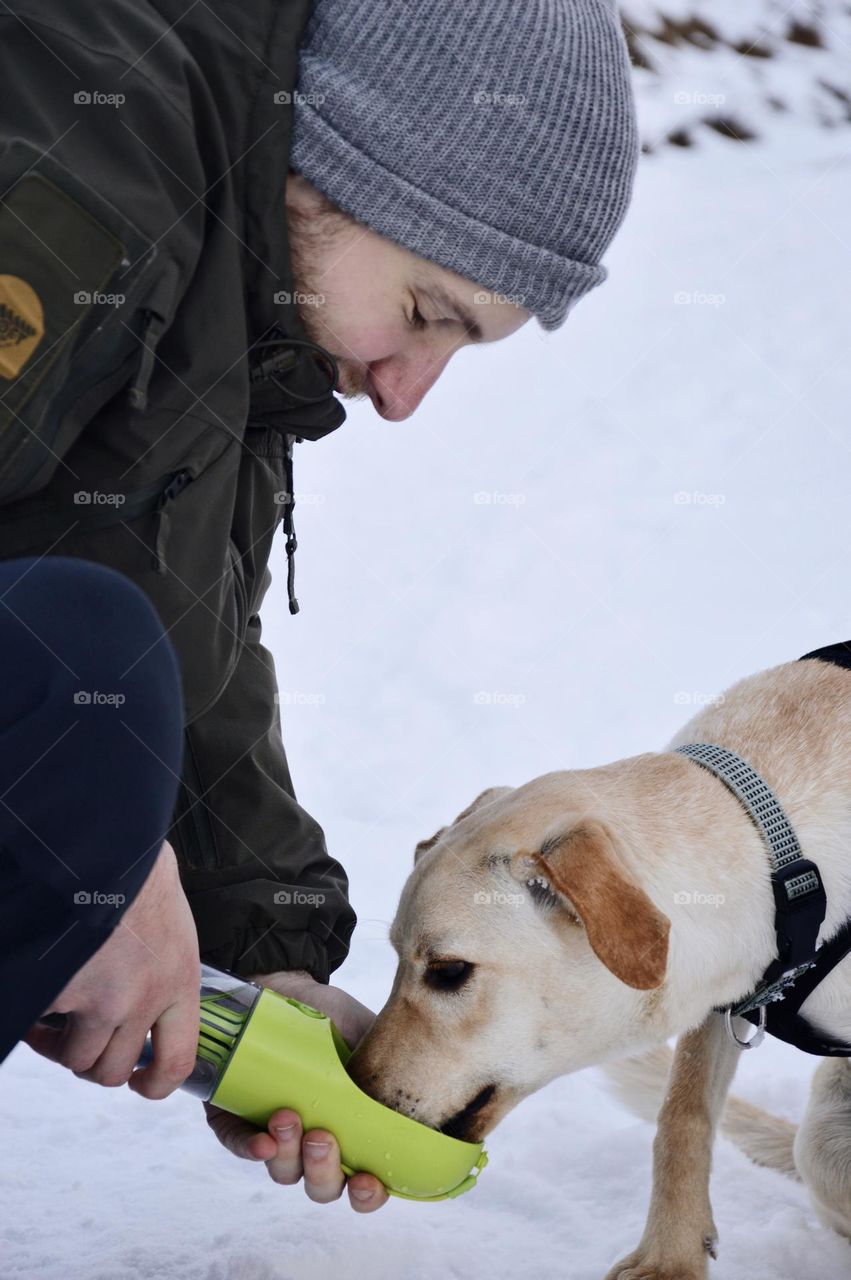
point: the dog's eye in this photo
(541, 891)
(447, 975)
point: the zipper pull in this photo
(155, 317)
(152, 328)
(175, 486)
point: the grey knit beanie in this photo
(494, 137)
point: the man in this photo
(215, 215)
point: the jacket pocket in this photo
(75, 274)
(170, 538)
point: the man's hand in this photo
(287, 1152)
(144, 978)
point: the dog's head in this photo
(527, 949)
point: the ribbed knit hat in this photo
(494, 137)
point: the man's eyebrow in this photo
(444, 301)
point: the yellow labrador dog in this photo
(593, 914)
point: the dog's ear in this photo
(626, 931)
(486, 797)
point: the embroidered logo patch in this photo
(21, 324)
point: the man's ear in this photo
(486, 797)
(626, 931)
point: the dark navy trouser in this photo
(91, 727)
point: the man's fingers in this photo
(44, 1041)
(76, 1046)
(175, 1041)
(115, 1065)
(239, 1137)
(285, 1166)
(323, 1178)
(366, 1193)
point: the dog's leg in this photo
(680, 1233)
(823, 1144)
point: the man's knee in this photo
(94, 626)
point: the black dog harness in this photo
(800, 904)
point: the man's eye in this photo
(447, 975)
(417, 320)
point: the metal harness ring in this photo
(758, 1036)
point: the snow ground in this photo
(596, 611)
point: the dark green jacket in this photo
(143, 259)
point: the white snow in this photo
(595, 611)
(760, 65)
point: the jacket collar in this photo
(247, 51)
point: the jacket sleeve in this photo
(265, 893)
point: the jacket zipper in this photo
(168, 494)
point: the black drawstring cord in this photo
(289, 527)
(282, 358)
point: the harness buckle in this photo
(800, 904)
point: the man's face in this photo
(392, 319)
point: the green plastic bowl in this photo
(290, 1055)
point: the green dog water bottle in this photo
(259, 1052)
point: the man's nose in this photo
(397, 387)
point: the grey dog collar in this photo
(798, 892)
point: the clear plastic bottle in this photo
(227, 1003)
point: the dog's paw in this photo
(644, 1264)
